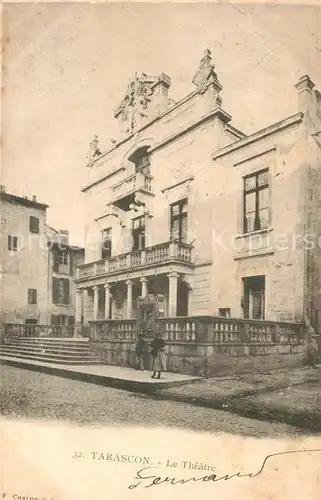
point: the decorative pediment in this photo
(143, 99)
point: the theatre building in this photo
(185, 205)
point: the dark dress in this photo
(158, 353)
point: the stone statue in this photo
(94, 150)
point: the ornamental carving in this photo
(206, 74)
(135, 106)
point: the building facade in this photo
(63, 262)
(185, 205)
(37, 265)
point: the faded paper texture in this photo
(224, 102)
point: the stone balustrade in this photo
(12, 330)
(204, 329)
(136, 182)
(155, 254)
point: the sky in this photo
(66, 67)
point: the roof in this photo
(26, 202)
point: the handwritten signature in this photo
(154, 480)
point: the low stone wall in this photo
(208, 360)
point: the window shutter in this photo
(71, 320)
(9, 242)
(66, 291)
(55, 260)
(34, 224)
(70, 263)
(54, 290)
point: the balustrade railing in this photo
(113, 330)
(137, 181)
(150, 255)
(12, 330)
(204, 329)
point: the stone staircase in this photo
(67, 351)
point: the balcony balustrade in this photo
(136, 182)
(157, 254)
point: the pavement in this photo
(290, 396)
(112, 376)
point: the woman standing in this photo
(158, 353)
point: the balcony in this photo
(154, 255)
(123, 193)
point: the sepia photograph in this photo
(160, 246)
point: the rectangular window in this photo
(225, 312)
(138, 233)
(179, 221)
(61, 291)
(61, 261)
(12, 243)
(63, 258)
(254, 297)
(32, 296)
(34, 224)
(106, 243)
(31, 321)
(256, 204)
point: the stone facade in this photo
(183, 168)
(28, 248)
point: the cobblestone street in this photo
(28, 394)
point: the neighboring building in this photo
(24, 260)
(63, 261)
(185, 205)
(31, 287)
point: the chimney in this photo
(161, 92)
(2, 188)
(63, 236)
(34, 197)
(305, 88)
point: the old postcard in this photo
(160, 272)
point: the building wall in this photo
(277, 252)
(208, 360)
(183, 167)
(25, 268)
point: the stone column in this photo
(107, 300)
(172, 294)
(96, 302)
(78, 305)
(129, 284)
(144, 286)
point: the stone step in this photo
(49, 345)
(71, 340)
(39, 349)
(53, 359)
(45, 355)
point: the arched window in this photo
(141, 159)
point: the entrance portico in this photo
(118, 299)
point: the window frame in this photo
(32, 296)
(106, 253)
(139, 244)
(34, 220)
(12, 243)
(181, 216)
(256, 190)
